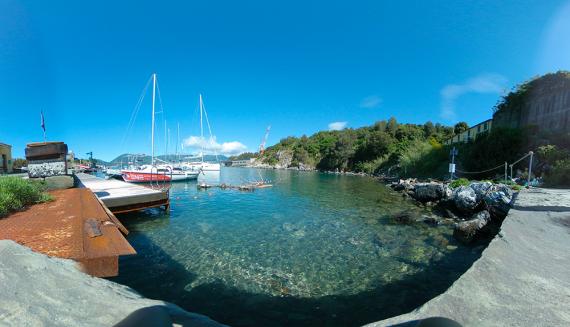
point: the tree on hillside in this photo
(460, 127)
(429, 129)
(392, 126)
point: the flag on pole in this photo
(43, 121)
(43, 124)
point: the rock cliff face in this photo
(36, 290)
(543, 102)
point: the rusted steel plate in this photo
(46, 150)
(113, 218)
(57, 229)
(92, 227)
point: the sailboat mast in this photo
(177, 141)
(153, 98)
(201, 128)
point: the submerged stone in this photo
(467, 231)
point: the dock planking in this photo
(121, 197)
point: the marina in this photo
(262, 164)
(121, 197)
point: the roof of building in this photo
(4, 144)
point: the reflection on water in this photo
(315, 249)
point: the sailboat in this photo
(201, 165)
(152, 172)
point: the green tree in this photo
(460, 127)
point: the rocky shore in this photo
(477, 209)
(521, 278)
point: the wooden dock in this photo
(121, 196)
(75, 225)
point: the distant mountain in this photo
(143, 159)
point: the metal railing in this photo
(505, 165)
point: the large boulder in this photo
(465, 199)
(467, 231)
(499, 203)
(481, 189)
(429, 192)
(506, 190)
(405, 185)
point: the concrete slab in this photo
(36, 290)
(121, 196)
(522, 277)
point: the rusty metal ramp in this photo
(76, 225)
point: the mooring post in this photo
(505, 171)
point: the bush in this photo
(16, 193)
(559, 174)
(459, 182)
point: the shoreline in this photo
(525, 266)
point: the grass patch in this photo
(17, 193)
(459, 182)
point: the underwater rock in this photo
(467, 231)
(465, 198)
(403, 218)
(431, 220)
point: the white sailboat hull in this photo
(202, 166)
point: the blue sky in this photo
(298, 66)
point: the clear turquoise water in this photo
(313, 250)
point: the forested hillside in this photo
(367, 149)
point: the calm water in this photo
(313, 250)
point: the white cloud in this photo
(370, 102)
(210, 145)
(337, 125)
(484, 83)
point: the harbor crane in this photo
(91, 162)
(264, 140)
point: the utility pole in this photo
(453, 153)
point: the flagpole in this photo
(43, 125)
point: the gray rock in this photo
(403, 218)
(429, 192)
(465, 198)
(447, 193)
(506, 190)
(499, 203)
(481, 189)
(467, 231)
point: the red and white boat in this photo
(146, 174)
